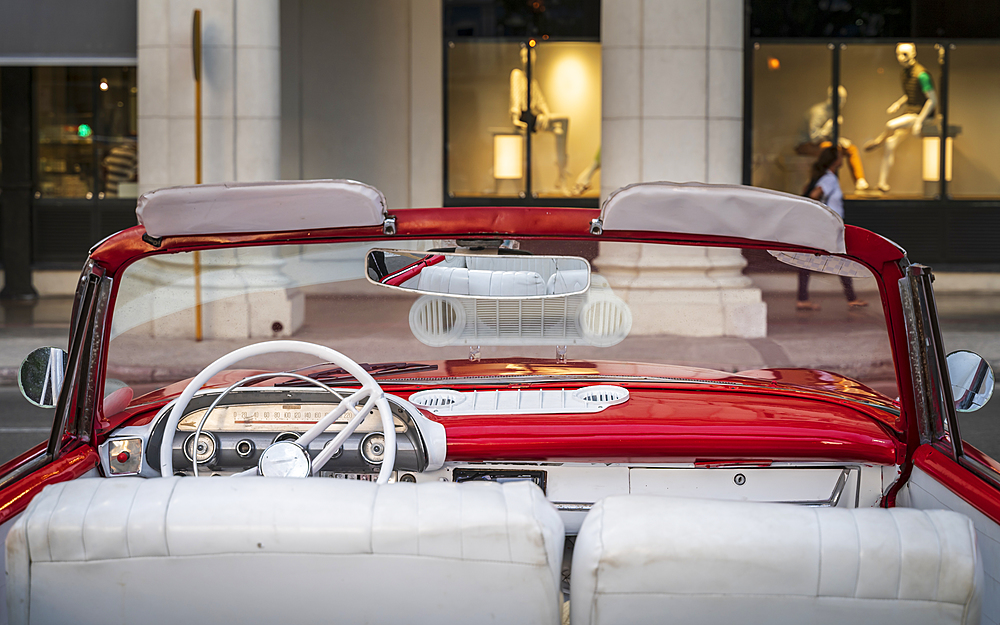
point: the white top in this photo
(724, 210)
(234, 207)
(832, 195)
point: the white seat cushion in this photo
(480, 282)
(266, 550)
(703, 561)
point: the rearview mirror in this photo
(971, 380)
(40, 376)
(482, 276)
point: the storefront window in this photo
(86, 132)
(486, 150)
(903, 78)
(973, 122)
(791, 83)
(524, 119)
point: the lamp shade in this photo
(508, 157)
(932, 159)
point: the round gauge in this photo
(206, 447)
(373, 448)
(285, 459)
(337, 453)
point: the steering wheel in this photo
(370, 392)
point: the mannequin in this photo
(536, 116)
(587, 175)
(918, 101)
(817, 134)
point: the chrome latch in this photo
(596, 227)
(389, 226)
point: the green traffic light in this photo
(84, 130)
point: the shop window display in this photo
(524, 119)
(973, 121)
(892, 102)
(86, 132)
(791, 81)
(896, 102)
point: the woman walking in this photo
(825, 187)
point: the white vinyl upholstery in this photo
(641, 559)
(480, 282)
(267, 550)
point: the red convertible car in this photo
(509, 415)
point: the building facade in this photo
(479, 102)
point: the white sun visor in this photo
(725, 211)
(234, 207)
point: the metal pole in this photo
(196, 49)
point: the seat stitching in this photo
(819, 531)
(597, 568)
(506, 523)
(128, 517)
(48, 521)
(899, 560)
(775, 595)
(416, 497)
(371, 524)
(166, 511)
(857, 575)
(83, 521)
(975, 563)
(940, 558)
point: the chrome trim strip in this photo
(833, 500)
(572, 506)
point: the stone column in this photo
(241, 87)
(241, 123)
(672, 110)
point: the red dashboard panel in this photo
(684, 426)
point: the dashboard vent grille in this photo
(533, 401)
(602, 394)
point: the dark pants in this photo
(804, 286)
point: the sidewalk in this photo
(970, 320)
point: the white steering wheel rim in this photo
(327, 354)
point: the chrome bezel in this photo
(361, 448)
(187, 439)
(246, 441)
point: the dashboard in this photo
(246, 421)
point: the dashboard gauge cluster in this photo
(248, 421)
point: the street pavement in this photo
(969, 321)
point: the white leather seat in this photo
(480, 282)
(642, 559)
(265, 550)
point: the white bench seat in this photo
(267, 550)
(641, 559)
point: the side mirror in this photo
(971, 380)
(40, 376)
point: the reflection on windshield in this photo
(727, 310)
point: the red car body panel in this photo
(776, 414)
(69, 466)
(959, 480)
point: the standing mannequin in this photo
(919, 100)
(535, 116)
(817, 134)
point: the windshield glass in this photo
(722, 309)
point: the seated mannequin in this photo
(918, 101)
(817, 134)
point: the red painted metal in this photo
(973, 489)
(71, 465)
(405, 274)
(678, 425)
